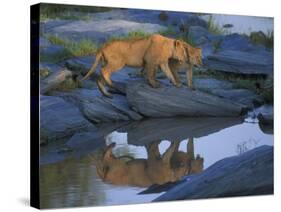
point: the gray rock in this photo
(248, 174)
(98, 108)
(173, 18)
(175, 129)
(43, 42)
(199, 35)
(242, 96)
(239, 42)
(50, 66)
(100, 30)
(60, 119)
(51, 49)
(54, 80)
(169, 101)
(242, 62)
(205, 83)
(265, 116)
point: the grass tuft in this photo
(168, 31)
(68, 12)
(130, 36)
(72, 48)
(214, 28)
(262, 38)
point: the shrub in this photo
(262, 38)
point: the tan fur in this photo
(193, 57)
(156, 169)
(153, 51)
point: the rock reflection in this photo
(156, 169)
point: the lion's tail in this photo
(94, 66)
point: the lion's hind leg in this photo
(101, 85)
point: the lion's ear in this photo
(177, 43)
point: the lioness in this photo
(156, 169)
(153, 51)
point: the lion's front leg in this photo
(189, 76)
(166, 69)
(174, 66)
(151, 75)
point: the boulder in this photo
(175, 129)
(248, 174)
(241, 62)
(239, 42)
(266, 118)
(53, 81)
(169, 101)
(60, 119)
(98, 108)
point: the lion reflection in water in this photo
(156, 169)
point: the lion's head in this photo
(194, 55)
(179, 51)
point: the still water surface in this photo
(74, 181)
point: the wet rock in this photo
(175, 129)
(242, 96)
(242, 62)
(169, 101)
(266, 118)
(98, 108)
(60, 119)
(248, 174)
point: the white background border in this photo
(14, 69)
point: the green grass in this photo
(214, 28)
(186, 39)
(265, 39)
(72, 48)
(77, 49)
(168, 31)
(217, 45)
(68, 84)
(68, 12)
(130, 36)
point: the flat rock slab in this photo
(60, 119)
(99, 30)
(169, 101)
(241, 96)
(98, 108)
(248, 174)
(259, 62)
(175, 129)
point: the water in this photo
(73, 180)
(243, 24)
